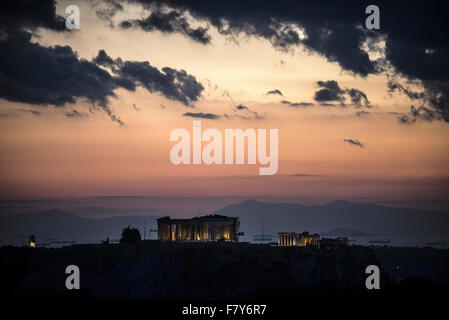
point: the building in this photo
(206, 228)
(304, 239)
(32, 241)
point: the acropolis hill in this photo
(215, 270)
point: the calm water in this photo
(441, 242)
(403, 241)
(395, 241)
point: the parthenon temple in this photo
(205, 228)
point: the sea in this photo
(440, 242)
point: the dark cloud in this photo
(326, 104)
(396, 86)
(354, 142)
(107, 9)
(414, 33)
(422, 113)
(241, 107)
(102, 59)
(253, 114)
(168, 22)
(50, 76)
(297, 104)
(331, 91)
(201, 115)
(425, 59)
(38, 75)
(434, 105)
(174, 84)
(358, 97)
(74, 114)
(328, 28)
(275, 92)
(18, 15)
(406, 119)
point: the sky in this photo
(360, 113)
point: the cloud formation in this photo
(74, 114)
(174, 84)
(275, 92)
(253, 114)
(330, 91)
(297, 104)
(168, 22)
(354, 142)
(420, 113)
(423, 113)
(56, 76)
(201, 115)
(336, 31)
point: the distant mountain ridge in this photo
(336, 215)
(367, 218)
(61, 224)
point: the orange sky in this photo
(51, 156)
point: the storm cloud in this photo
(414, 35)
(38, 75)
(168, 22)
(174, 84)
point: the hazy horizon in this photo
(185, 207)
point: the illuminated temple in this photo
(206, 228)
(298, 239)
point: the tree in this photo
(130, 235)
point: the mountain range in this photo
(59, 224)
(338, 215)
(365, 218)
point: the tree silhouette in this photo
(130, 235)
